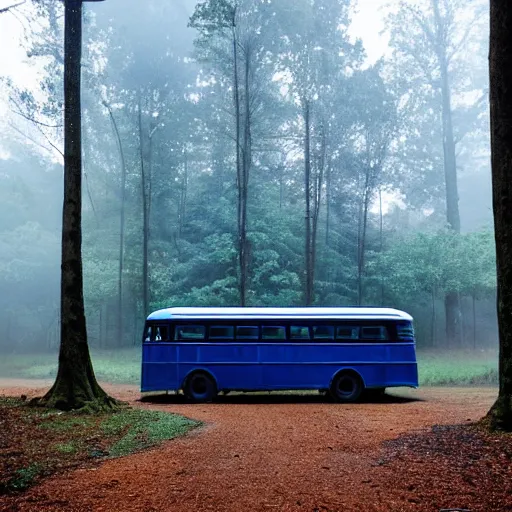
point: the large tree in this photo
(76, 386)
(500, 73)
(429, 42)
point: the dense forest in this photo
(248, 152)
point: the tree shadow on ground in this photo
(277, 398)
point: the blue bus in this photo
(343, 351)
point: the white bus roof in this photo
(348, 313)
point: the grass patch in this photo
(436, 368)
(458, 368)
(69, 447)
(116, 366)
(143, 429)
(37, 443)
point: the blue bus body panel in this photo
(272, 366)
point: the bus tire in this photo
(346, 387)
(200, 387)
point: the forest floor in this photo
(412, 450)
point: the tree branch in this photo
(7, 9)
(35, 121)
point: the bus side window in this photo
(323, 332)
(271, 332)
(147, 335)
(247, 332)
(189, 332)
(347, 332)
(221, 332)
(377, 333)
(299, 332)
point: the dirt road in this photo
(257, 453)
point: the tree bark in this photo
(145, 217)
(500, 73)
(240, 176)
(452, 303)
(121, 228)
(308, 292)
(75, 386)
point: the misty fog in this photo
(298, 169)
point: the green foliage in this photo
(70, 447)
(143, 429)
(379, 132)
(23, 478)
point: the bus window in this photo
(246, 332)
(218, 332)
(405, 331)
(189, 332)
(323, 332)
(347, 332)
(374, 333)
(299, 332)
(156, 333)
(271, 332)
(161, 333)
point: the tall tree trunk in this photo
(473, 298)
(183, 194)
(246, 167)
(145, 219)
(328, 199)
(75, 386)
(317, 201)
(381, 244)
(452, 302)
(308, 295)
(362, 236)
(120, 329)
(500, 70)
(434, 317)
(239, 166)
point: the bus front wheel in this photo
(346, 387)
(200, 387)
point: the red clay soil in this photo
(262, 453)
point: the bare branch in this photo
(42, 146)
(35, 121)
(7, 9)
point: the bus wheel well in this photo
(200, 386)
(347, 385)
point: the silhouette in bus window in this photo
(323, 332)
(299, 332)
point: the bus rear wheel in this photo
(346, 387)
(200, 387)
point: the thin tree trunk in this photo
(317, 197)
(473, 297)
(328, 199)
(434, 317)
(183, 194)
(120, 329)
(145, 220)
(308, 298)
(381, 244)
(239, 168)
(500, 68)
(75, 385)
(362, 250)
(452, 302)
(246, 166)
